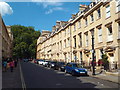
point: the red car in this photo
(35, 61)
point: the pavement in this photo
(0, 77)
(11, 80)
(110, 76)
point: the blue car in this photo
(75, 69)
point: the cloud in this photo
(54, 9)
(5, 8)
(50, 5)
(47, 3)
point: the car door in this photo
(69, 68)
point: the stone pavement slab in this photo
(11, 79)
(105, 76)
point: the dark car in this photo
(25, 60)
(60, 66)
(36, 61)
(52, 64)
(75, 69)
(48, 64)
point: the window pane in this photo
(108, 11)
(99, 13)
(108, 8)
(110, 30)
(107, 14)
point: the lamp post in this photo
(93, 63)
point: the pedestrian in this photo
(15, 63)
(11, 64)
(5, 65)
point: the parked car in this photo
(40, 62)
(25, 60)
(60, 66)
(75, 69)
(48, 64)
(45, 63)
(52, 64)
(36, 61)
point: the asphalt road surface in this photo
(36, 76)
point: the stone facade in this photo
(72, 42)
(6, 40)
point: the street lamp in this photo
(93, 61)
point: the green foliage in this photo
(105, 59)
(25, 40)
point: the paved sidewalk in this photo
(11, 79)
(113, 77)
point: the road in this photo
(36, 76)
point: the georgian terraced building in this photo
(70, 41)
(6, 40)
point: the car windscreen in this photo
(77, 65)
(53, 62)
(47, 61)
(62, 63)
(41, 60)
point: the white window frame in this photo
(81, 57)
(109, 30)
(92, 18)
(117, 5)
(68, 42)
(75, 57)
(79, 24)
(86, 22)
(75, 44)
(68, 30)
(86, 37)
(99, 14)
(100, 53)
(100, 34)
(107, 11)
(80, 39)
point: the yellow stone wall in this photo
(62, 53)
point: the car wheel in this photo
(73, 74)
(65, 71)
(59, 69)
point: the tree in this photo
(25, 40)
(105, 61)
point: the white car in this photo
(45, 62)
(40, 62)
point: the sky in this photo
(40, 15)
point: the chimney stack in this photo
(82, 7)
(73, 16)
(53, 28)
